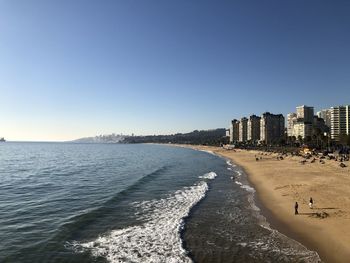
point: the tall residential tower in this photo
(271, 127)
(340, 121)
(234, 131)
(300, 124)
(243, 125)
(253, 134)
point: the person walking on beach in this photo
(296, 208)
(311, 203)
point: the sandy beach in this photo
(281, 183)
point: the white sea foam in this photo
(228, 162)
(207, 151)
(209, 176)
(262, 220)
(286, 248)
(158, 239)
(239, 183)
(246, 187)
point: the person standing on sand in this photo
(296, 208)
(311, 203)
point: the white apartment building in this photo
(348, 119)
(340, 121)
(291, 120)
(299, 124)
(306, 113)
(301, 129)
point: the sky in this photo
(78, 68)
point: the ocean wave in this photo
(158, 239)
(141, 181)
(274, 243)
(288, 250)
(246, 187)
(207, 151)
(209, 176)
(239, 183)
(228, 162)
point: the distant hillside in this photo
(111, 138)
(205, 137)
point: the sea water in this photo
(65, 202)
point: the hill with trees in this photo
(203, 137)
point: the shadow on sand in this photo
(320, 214)
(325, 208)
(317, 212)
(307, 214)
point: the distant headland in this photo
(203, 137)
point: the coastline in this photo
(279, 183)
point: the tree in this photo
(308, 139)
(300, 139)
(343, 139)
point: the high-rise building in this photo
(271, 127)
(253, 128)
(302, 130)
(326, 115)
(234, 131)
(243, 128)
(305, 113)
(319, 126)
(340, 121)
(300, 124)
(348, 119)
(291, 120)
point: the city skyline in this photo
(79, 69)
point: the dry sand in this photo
(280, 183)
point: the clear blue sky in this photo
(73, 68)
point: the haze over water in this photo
(121, 203)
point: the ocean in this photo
(65, 202)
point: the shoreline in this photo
(279, 183)
(274, 221)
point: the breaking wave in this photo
(158, 239)
(246, 187)
(228, 162)
(209, 176)
(207, 151)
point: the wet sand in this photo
(280, 183)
